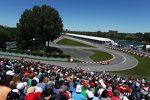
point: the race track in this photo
(120, 61)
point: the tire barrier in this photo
(106, 62)
(132, 52)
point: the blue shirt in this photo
(77, 96)
(42, 85)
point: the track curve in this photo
(121, 61)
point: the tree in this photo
(147, 36)
(140, 36)
(40, 24)
(3, 38)
(7, 34)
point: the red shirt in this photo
(115, 98)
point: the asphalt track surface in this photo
(78, 54)
(120, 60)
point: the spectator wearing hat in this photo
(92, 86)
(31, 94)
(90, 95)
(78, 95)
(3, 89)
(21, 86)
(13, 95)
(31, 76)
(38, 92)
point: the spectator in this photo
(56, 81)
(78, 95)
(13, 95)
(104, 95)
(3, 89)
(14, 81)
(61, 95)
(116, 95)
(47, 94)
(41, 83)
(21, 86)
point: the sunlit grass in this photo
(141, 70)
(100, 56)
(72, 43)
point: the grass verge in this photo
(100, 56)
(142, 70)
(72, 43)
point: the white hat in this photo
(90, 94)
(143, 81)
(78, 88)
(32, 69)
(37, 80)
(20, 86)
(8, 66)
(10, 72)
(102, 83)
(48, 71)
(137, 84)
(22, 66)
(123, 81)
(38, 89)
(125, 98)
(30, 90)
(16, 90)
(25, 83)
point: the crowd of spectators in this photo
(29, 80)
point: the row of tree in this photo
(7, 34)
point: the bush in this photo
(41, 54)
(53, 50)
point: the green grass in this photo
(76, 61)
(72, 43)
(142, 70)
(100, 56)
